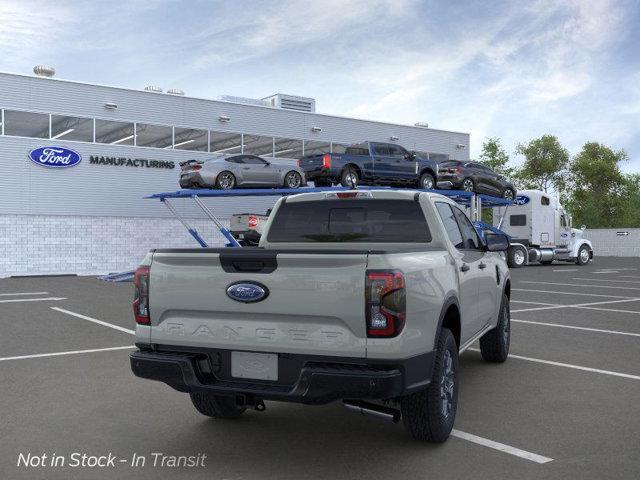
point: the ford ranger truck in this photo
(371, 163)
(364, 297)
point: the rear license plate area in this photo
(256, 366)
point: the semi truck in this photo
(540, 231)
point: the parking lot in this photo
(565, 405)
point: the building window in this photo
(316, 148)
(258, 145)
(157, 136)
(338, 147)
(114, 133)
(190, 139)
(287, 148)
(26, 124)
(72, 128)
(224, 142)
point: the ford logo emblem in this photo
(247, 292)
(521, 200)
(55, 157)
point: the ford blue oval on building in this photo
(57, 157)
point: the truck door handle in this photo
(246, 168)
(482, 266)
(465, 267)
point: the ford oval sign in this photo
(55, 157)
(247, 292)
(521, 200)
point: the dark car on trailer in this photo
(475, 177)
(371, 163)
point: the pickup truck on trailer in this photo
(362, 296)
(371, 163)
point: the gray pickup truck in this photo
(367, 297)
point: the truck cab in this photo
(540, 230)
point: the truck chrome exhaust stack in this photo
(380, 412)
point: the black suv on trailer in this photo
(475, 177)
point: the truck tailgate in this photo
(315, 301)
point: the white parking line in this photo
(617, 310)
(16, 300)
(566, 269)
(94, 320)
(72, 352)
(579, 285)
(574, 327)
(571, 293)
(537, 303)
(569, 365)
(628, 276)
(603, 280)
(485, 442)
(580, 305)
(23, 293)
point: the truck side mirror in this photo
(496, 242)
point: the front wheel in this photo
(429, 414)
(516, 257)
(468, 185)
(494, 345)
(216, 406)
(292, 180)
(427, 182)
(508, 194)
(583, 255)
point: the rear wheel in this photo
(516, 257)
(349, 178)
(468, 185)
(216, 406)
(429, 414)
(494, 345)
(225, 181)
(427, 182)
(292, 180)
(508, 194)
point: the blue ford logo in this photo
(56, 157)
(521, 200)
(247, 292)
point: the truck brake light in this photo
(141, 296)
(385, 303)
(326, 161)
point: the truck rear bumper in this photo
(318, 381)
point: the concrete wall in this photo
(609, 242)
(55, 244)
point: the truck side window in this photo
(469, 234)
(544, 200)
(396, 151)
(517, 220)
(450, 224)
(380, 149)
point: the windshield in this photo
(348, 220)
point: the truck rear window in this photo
(348, 220)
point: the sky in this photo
(514, 70)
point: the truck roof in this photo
(376, 194)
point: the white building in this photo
(91, 218)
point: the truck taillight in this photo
(385, 303)
(299, 162)
(326, 161)
(196, 167)
(141, 296)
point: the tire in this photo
(468, 185)
(292, 180)
(349, 178)
(427, 182)
(584, 255)
(225, 180)
(509, 194)
(424, 414)
(516, 257)
(216, 406)
(494, 345)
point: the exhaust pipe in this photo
(388, 414)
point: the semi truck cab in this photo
(541, 231)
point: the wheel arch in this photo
(354, 166)
(430, 171)
(450, 318)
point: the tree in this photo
(545, 164)
(599, 191)
(495, 157)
